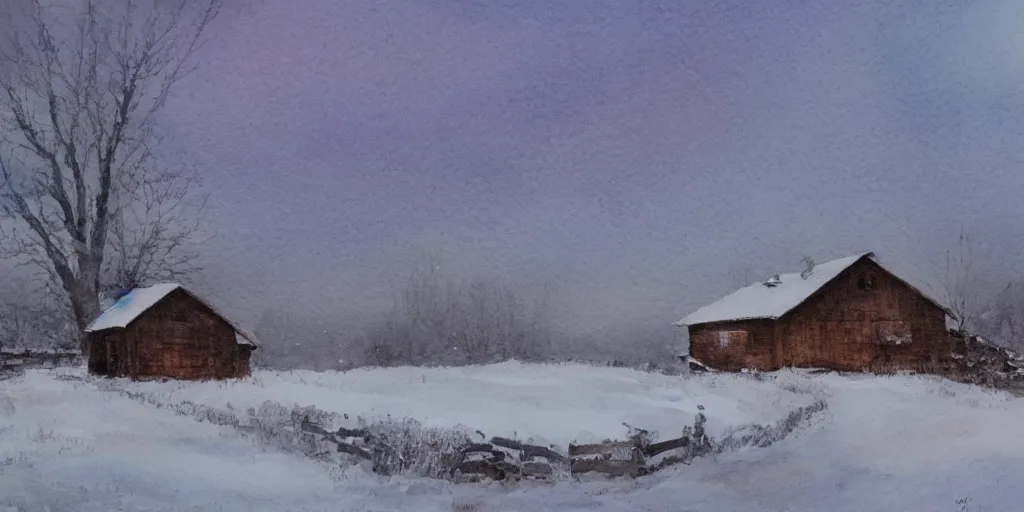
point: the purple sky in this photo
(640, 154)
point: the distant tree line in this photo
(32, 319)
(440, 319)
(436, 319)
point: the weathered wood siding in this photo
(864, 318)
(179, 338)
(731, 346)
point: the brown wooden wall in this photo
(734, 350)
(852, 324)
(179, 338)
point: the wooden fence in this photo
(15, 360)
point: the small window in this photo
(732, 338)
(893, 333)
(866, 281)
(179, 315)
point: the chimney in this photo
(809, 267)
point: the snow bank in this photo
(902, 424)
(68, 446)
(886, 443)
(552, 404)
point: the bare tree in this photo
(960, 285)
(79, 88)
(1008, 327)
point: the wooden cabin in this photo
(167, 331)
(848, 314)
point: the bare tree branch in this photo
(152, 238)
(960, 286)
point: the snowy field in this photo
(883, 443)
(552, 404)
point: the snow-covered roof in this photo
(758, 301)
(139, 300)
(242, 340)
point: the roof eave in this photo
(248, 337)
(90, 330)
(725, 321)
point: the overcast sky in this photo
(644, 155)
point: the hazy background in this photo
(640, 158)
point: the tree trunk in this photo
(85, 301)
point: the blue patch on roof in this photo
(123, 302)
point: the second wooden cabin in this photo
(846, 314)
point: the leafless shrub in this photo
(467, 506)
(888, 368)
(761, 436)
(963, 504)
(440, 319)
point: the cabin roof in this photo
(138, 301)
(758, 301)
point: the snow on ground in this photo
(884, 443)
(68, 446)
(549, 403)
